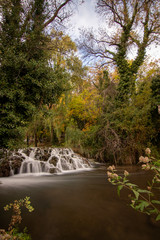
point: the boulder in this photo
(27, 151)
(54, 160)
(38, 154)
(13, 163)
(16, 163)
(45, 157)
(4, 168)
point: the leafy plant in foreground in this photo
(142, 200)
(16, 219)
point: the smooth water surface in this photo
(77, 206)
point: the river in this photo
(77, 206)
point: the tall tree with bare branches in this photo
(130, 24)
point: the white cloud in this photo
(84, 17)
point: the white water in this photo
(60, 160)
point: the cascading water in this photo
(30, 164)
(51, 160)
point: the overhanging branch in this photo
(56, 13)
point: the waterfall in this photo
(51, 160)
(11, 169)
(30, 164)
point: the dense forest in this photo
(108, 110)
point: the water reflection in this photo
(78, 206)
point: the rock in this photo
(53, 170)
(38, 160)
(38, 154)
(47, 151)
(4, 153)
(16, 158)
(18, 154)
(27, 151)
(13, 162)
(86, 162)
(1, 153)
(70, 160)
(16, 164)
(4, 168)
(42, 154)
(45, 157)
(54, 160)
(64, 151)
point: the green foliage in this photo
(74, 136)
(90, 118)
(27, 79)
(50, 120)
(20, 235)
(46, 94)
(127, 128)
(13, 232)
(155, 86)
(63, 53)
(92, 143)
(142, 200)
(155, 102)
(83, 108)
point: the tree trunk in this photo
(35, 139)
(28, 140)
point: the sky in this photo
(86, 17)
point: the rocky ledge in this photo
(11, 161)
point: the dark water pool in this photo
(77, 206)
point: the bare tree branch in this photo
(57, 10)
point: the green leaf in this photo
(131, 185)
(125, 181)
(158, 217)
(143, 205)
(143, 191)
(155, 201)
(153, 211)
(119, 188)
(136, 194)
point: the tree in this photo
(135, 24)
(49, 123)
(155, 103)
(27, 79)
(122, 132)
